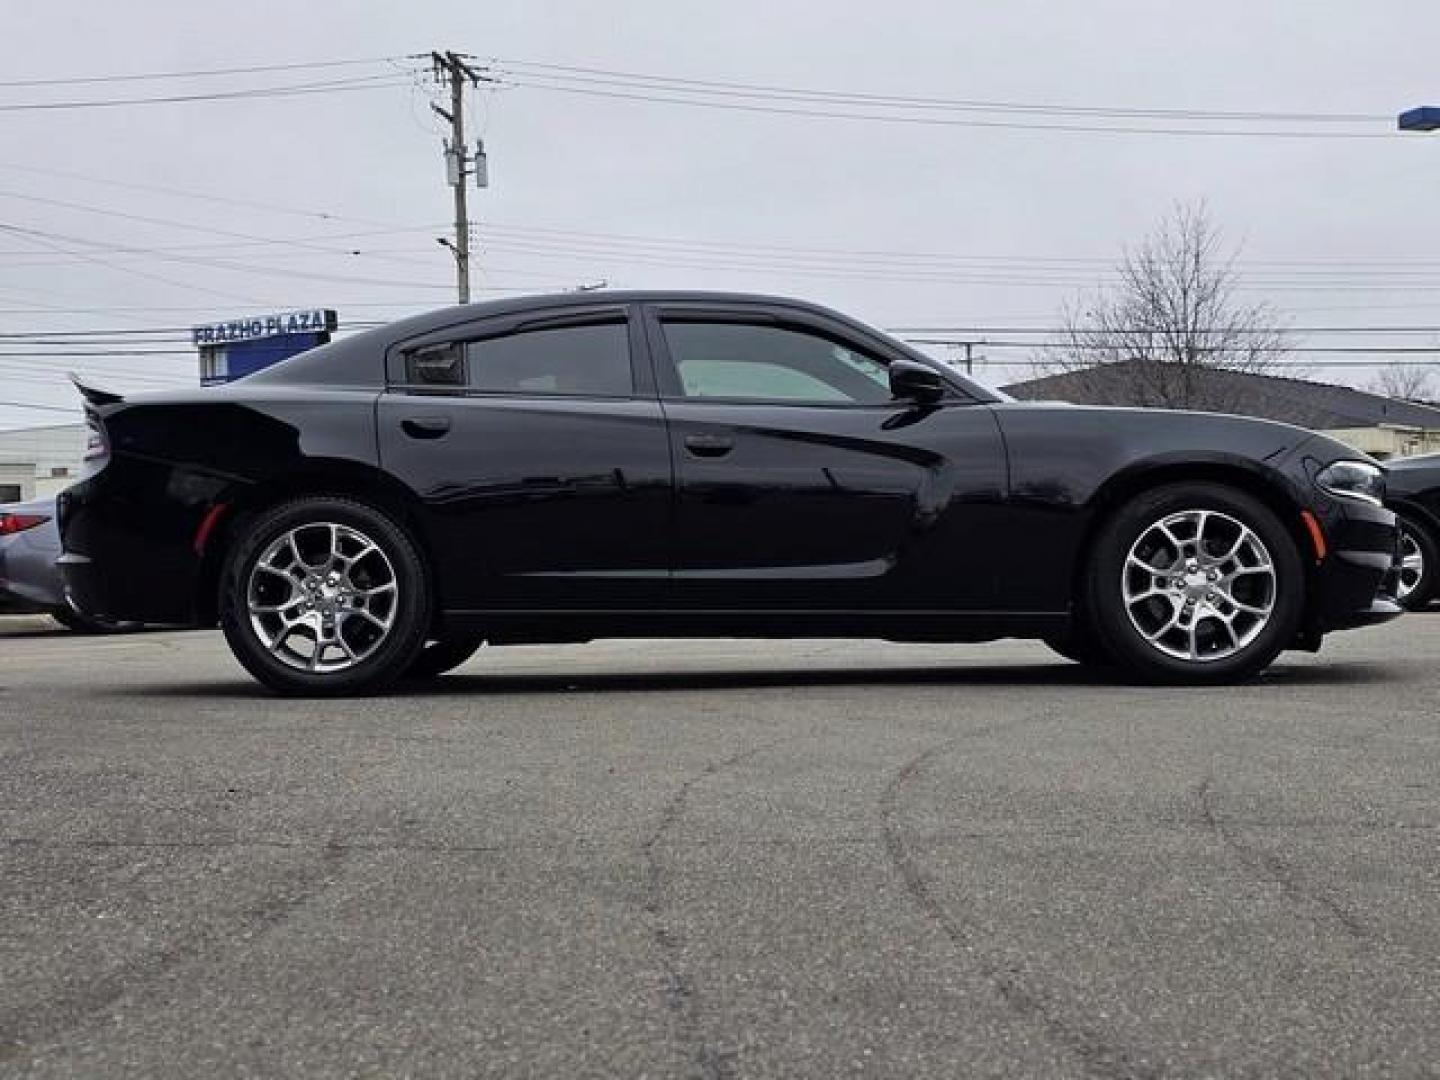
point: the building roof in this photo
(1315, 405)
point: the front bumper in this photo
(1354, 584)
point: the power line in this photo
(178, 255)
(170, 223)
(46, 241)
(960, 328)
(268, 272)
(650, 94)
(1367, 350)
(72, 410)
(336, 86)
(25, 335)
(163, 189)
(308, 244)
(98, 352)
(240, 308)
(592, 253)
(964, 105)
(851, 254)
(1347, 268)
(58, 377)
(196, 73)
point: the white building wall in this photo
(41, 460)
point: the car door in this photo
(802, 483)
(539, 455)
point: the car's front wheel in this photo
(1195, 583)
(1418, 565)
(325, 596)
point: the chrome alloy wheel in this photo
(322, 597)
(1412, 565)
(1199, 585)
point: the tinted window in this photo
(436, 365)
(593, 359)
(772, 363)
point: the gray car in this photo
(29, 579)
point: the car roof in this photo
(519, 305)
(355, 353)
(348, 354)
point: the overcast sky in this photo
(901, 223)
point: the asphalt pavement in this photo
(719, 859)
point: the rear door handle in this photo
(709, 445)
(425, 427)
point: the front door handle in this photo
(425, 427)
(709, 445)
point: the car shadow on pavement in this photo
(477, 682)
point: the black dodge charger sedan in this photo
(562, 468)
(1414, 494)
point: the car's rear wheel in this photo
(325, 596)
(1419, 561)
(1195, 583)
(444, 654)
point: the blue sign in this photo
(1425, 118)
(239, 347)
(315, 320)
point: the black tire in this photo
(1284, 590)
(81, 624)
(388, 658)
(1422, 591)
(444, 655)
(1081, 646)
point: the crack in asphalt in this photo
(711, 1063)
(728, 840)
(1097, 1056)
(43, 1020)
(1269, 867)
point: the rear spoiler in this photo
(93, 395)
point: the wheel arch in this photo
(1266, 485)
(316, 477)
(1417, 513)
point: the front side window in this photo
(772, 363)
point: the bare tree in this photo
(1407, 382)
(1173, 320)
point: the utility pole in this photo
(969, 347)
(452, 68)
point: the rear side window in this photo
(589, 360)
(436, 365)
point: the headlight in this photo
(1353, 480)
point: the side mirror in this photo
(915, 382)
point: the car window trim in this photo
(485, 329)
